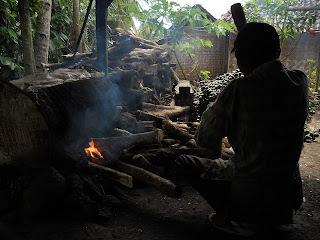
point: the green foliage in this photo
(10, 52)
(60, 27)
(118, 16)
(163, 15)
(275, 12)
(205, 75)
(186, 47)
(311, 73)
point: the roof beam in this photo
(307, 8)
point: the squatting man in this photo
(260, 186)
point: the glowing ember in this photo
(92, 151)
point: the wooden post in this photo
(318, 74)
(101, 33)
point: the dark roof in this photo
(209, 16)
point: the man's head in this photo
(255, 44)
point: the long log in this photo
(121, 34)
(140, 161)
(163, 185)
(117, 144)
(112, 174)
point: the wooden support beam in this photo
(101, 33)
(306, 8)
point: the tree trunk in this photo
(26, 36)
(52, 120)
(42, 37)
(76, 23)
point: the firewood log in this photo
(165, 111)
(117, 144)
(169, 141)
(174, 75)
(140, 161)
(133, 99)
(151, 69)
(138, 55)
(152, 82)
(121, 49)
(176, 132)
(163, 185)
(127, 121)
(112, 174)
(117, 132)
(120, 31)
(145, 126)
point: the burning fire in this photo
(92, 151)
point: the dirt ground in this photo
(144, 213)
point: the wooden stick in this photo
(112, 174)
(163, 185)
(116, 144)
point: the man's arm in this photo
(216, 119)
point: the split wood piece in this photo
(121, 49)
(142, 115)
(226, 142)
(152, 69)
(163, 185)
(226, 152)
(165, 111)
(132, 99)
(174, 75)
(138, 55)
(148, 116)
(169, 142)
(152, 82)
(127, 121)
(181, 125)
(79, 56)
(118, 144)
(121, 77)
(69, 60)
(112, 174)
(144, 163)
(176, 132)
(117, 132)
(126, 33)
(145, 126)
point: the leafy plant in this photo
(164, 16)
(311, 73)
(10, 54)
(277, 13)
(205, 75)
(61, 27)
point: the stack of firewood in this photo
(140, 67)
(145, 143)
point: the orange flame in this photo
(92, 151)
